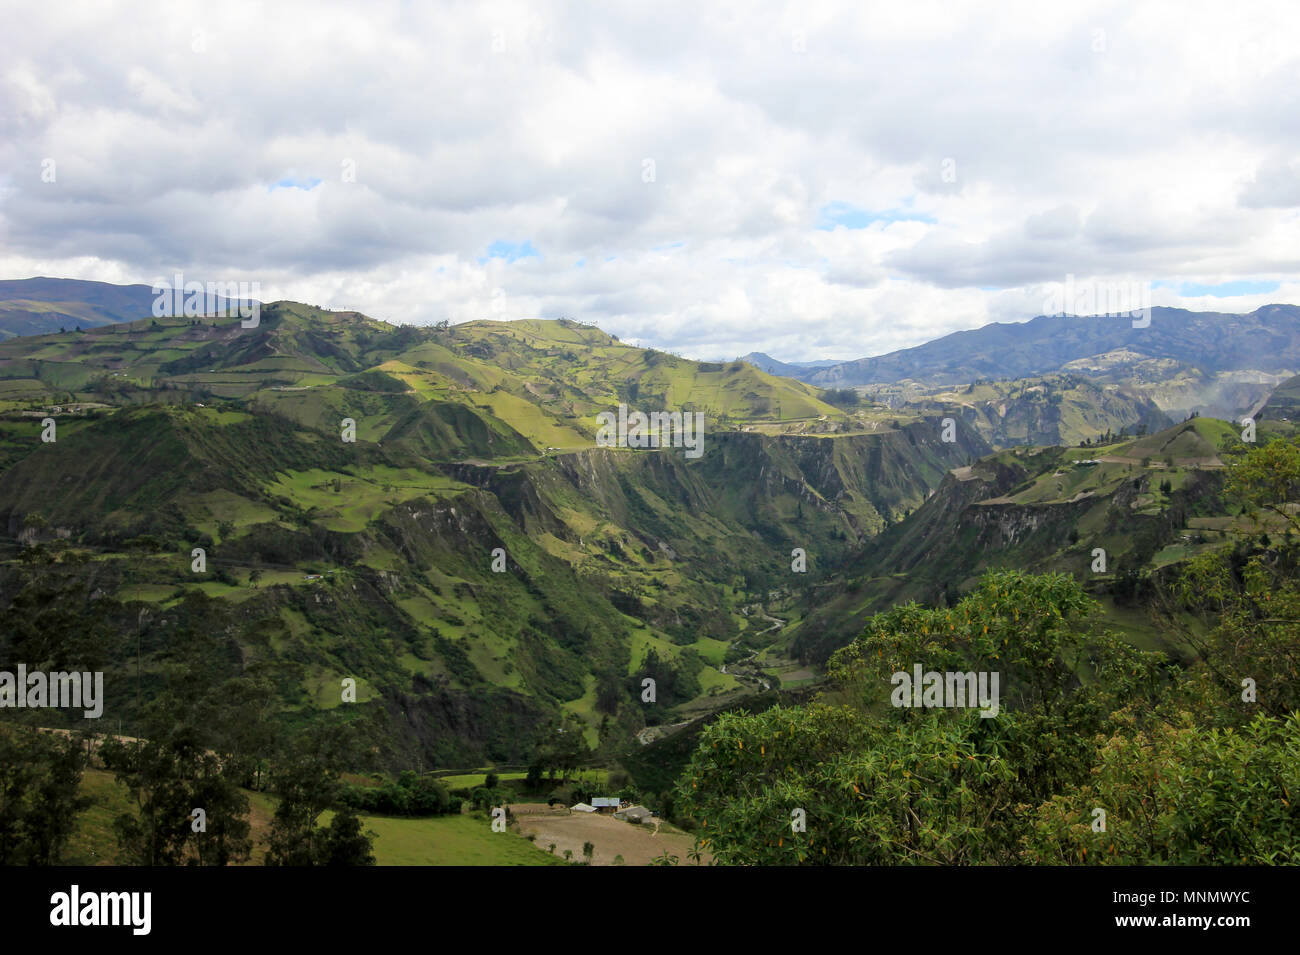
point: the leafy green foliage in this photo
(305, 777)
(195, 752)
(39, 799)
(885, 785)
(408, 795)
(1181, 795)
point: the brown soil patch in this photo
(611, 837)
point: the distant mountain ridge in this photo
(39, 306)
(787, 369)
(1267, 339)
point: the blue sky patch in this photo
(291, 183)
(511, 251)
(1223, 289)
(836, 214)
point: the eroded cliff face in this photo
(1000, 526)
(769, 485)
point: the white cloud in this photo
(1005, 146)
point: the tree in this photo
(344, 843)
(881, 784)
(608, 692)
(1177, 794)
(1268, 478)
(243, 728)
(305, 777)
(588, 851)
(869, 796)
(565, 749)
(39, 795)
(674, 682)
(182, 762)
(843, 397)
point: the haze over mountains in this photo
(789, 369)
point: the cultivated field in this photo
(637, 844)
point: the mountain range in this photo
(1209, 362)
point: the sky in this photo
(805, 179)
